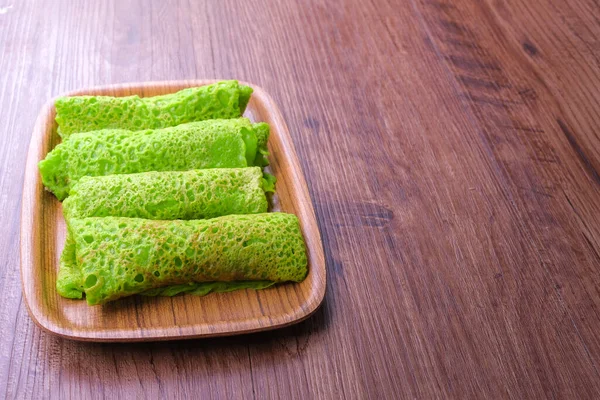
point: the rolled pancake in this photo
(225, 143)
(225, 99)
(195, 194)
(113, 257)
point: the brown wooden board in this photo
(452, 152)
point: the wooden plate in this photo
(141, 318)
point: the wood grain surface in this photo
(43, 232)
(452, 152)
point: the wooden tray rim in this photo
(307, 219)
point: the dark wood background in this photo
(452, 150)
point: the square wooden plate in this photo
(141, 318)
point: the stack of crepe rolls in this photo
(167, 195)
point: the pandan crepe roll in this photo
(113, 257)
(224, 143)
(194, 194)
(225, 99)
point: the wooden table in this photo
(452, 150)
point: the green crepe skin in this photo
(204, 288)
(196, 145)
(194, 194)
(221, 100)
(68, 283)
(113, 257)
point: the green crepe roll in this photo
(225, 99)
(225, 143)
(113, 257)
(194, 194)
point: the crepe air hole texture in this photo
(74, 114)
(198, 257)
(90, 281)
(192, 146)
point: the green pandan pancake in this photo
(226, 143)
(194, 194)
(225, 99)
(113, 257)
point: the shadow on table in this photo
(212, 356)
(300, 332)
(314, 324)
